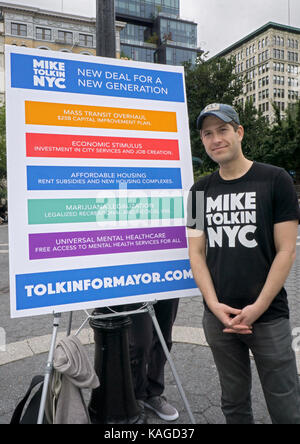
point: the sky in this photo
(220, 22)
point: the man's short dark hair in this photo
(234, 125)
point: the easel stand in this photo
(147, 308)
(49, 367)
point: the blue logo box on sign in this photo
(72, 76)
(94, 284)
(104, 178)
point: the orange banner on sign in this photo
(60, 114)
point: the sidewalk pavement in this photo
(28, 341)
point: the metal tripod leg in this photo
(151, 312)
(49, 368)
(70, 323)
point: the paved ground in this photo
(27, 341)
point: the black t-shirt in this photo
(238, 218)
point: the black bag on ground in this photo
(31, 413)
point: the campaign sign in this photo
(99, 165)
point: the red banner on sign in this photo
(98, 147)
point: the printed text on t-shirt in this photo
(231, 218)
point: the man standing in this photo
(242, 244)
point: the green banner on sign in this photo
(57, 211)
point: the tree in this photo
(256, 128)
(296, 145)
(214, 81)
(211, 81)
(281, 146)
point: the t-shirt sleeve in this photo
(286, 205)
(195, 208)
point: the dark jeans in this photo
(146, 353)
(275, 360)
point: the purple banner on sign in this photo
(86, 243)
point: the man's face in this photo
(222, 143)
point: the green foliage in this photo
(153, 39)
(211, 81)
(256, 128)
(294, 141)
(278, 143)
(3, 193)
(198, 173)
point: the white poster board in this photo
(99, 163)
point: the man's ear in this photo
(241, 132)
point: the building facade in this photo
(36, 28)
(269, 61)
(154, 32)
(146, 30)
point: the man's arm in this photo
(197, 254)
(285, 236)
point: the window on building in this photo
(19, 29)
(278, 53)
(278, 40)
(65, 37)
(138, 53)
(278, 80)
(293, 69)
(278, 92)
(175, 56)
(182, 33)
(292, 56)
(292, 43)
(278, 66)
(86, 40)
(280, 105)
(293, 81)
(43, 34)
(148, 8)
(133, 33)
(293, 95)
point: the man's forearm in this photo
(203, 279)
(277, 276)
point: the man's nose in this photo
(216, 137)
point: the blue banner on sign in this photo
(104, 178)
(72, 76)
(94, 284)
